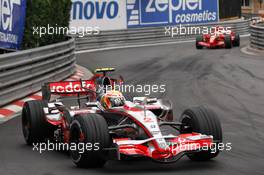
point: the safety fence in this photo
(23, 72)
(257, 36)
(148, 35)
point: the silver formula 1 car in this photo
(143, 127)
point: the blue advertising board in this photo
(12, 21)
(141, 13)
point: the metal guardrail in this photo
(22, 73)
(146, 35)
(257, 36)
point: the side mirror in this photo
(46, 94)
(92, 104)
(152, 100)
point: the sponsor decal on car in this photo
(71, 87)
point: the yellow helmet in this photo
(112, 99)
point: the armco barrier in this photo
(146, 35)
(257, 36)
(23, 73)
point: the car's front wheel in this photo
(205, 121)
(89, 131)
(199, 39)
(228, 42)
(237, 40)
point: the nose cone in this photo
(212, 39)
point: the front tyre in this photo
(228, 42)
(90, 129)
(237, 40)
(205, 121)
(199, 39)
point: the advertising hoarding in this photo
(142, 13)
(104, 14)
(123, 14)
(12, 23)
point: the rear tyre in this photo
(92, 130)
(35, 127)
(205, 121)
(228, 42)
(237, 40)
(199, 39)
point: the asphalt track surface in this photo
(228, 81)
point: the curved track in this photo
(228, 81)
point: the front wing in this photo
(175, 145)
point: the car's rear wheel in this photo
(205, 121)
(35, 127)
(228, 42)
(237, 40)
(91, 130)
(199, 39)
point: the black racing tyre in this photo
(199, 39)
(205, 121)
(228, 42)
(236, 42)
(34, 124)
(90, 129)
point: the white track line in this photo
(245, 50)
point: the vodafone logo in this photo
(71, 87)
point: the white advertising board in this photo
(123, 14)
(102, 14)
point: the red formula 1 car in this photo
(219, 38)
(118, 128)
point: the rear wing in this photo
(104, 70)
(68, 88)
